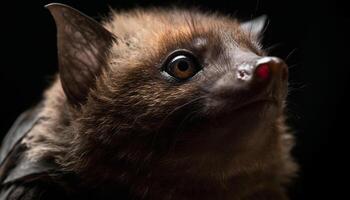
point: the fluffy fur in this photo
(162, 140)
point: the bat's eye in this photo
(182, 65)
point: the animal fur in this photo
(139, 132)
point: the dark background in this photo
(311, 35)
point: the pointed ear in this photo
(83, 46)
(255, 26)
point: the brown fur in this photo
(129, 132)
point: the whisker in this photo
(290, 54)
(181, 106)
(179, 128)
(185, 119)
(256, 7)
(172, 112)
(293, 66)
(273, 47)
(296, 87)
(265, 27)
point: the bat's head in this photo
(178, 89)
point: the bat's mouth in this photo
(238, 108)
(255, 104)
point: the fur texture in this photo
(165, 140)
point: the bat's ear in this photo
(83, 46)
(255, 26)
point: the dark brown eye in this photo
(182, 66)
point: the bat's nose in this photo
(270, 68)
(263, 70)
(257, 78)
(264, 76)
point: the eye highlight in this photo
(181, 65)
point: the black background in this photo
(310, 35)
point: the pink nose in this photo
(263, 71)
(270, 68)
